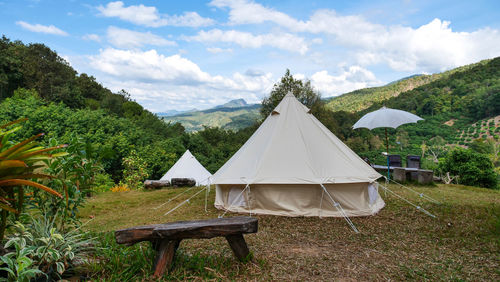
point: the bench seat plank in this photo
(197, 229)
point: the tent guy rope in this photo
(400, 197)
(340, 209)
(174, 198)
(185, 201)
(421, 195)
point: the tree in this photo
(436, 146)
(472, 168)
(303, 91)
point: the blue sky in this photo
(198, 54)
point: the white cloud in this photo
(50, 29)
(217, 50)
(149, 16)
(124, 38)
(285, 41)
(352, 78)
(92, 37)
(147, 66)
(246, 12)
(317, 40)
(165, 82)
(429, 48)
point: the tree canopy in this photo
(302, 90)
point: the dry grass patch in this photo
(399, 243)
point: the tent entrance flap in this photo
(236, 197)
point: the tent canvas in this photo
(188, 167)
(291, 165)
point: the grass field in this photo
(399, 243)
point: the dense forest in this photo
(38, 84)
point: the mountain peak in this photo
(236, 103)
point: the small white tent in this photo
(294, 166)
(188, 167)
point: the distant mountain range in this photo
(234, 115)
(237, 114)
(174, 112)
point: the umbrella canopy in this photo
(386, 117)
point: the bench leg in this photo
(165, 251)
(238, 245)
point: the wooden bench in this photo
(165, 238)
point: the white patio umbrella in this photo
(386, 117)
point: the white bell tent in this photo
(294, 166)
(188, 167)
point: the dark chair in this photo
(395, 161)
(413, 161)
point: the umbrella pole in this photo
(387, 144)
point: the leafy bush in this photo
(18, 265)
(134, 172)
(18, 161)
(50, 249)
(102, 183)
(472, 168)
(75, 178)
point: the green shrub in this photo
(135, 171)
(102, 183)
(18, 265)
(51, 249)
(472, 168)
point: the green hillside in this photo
(228, 116)
(363, 98)
(458, 108)
(72, 108)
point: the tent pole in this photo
(321, 202)
(206, 196)
(387, 146)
